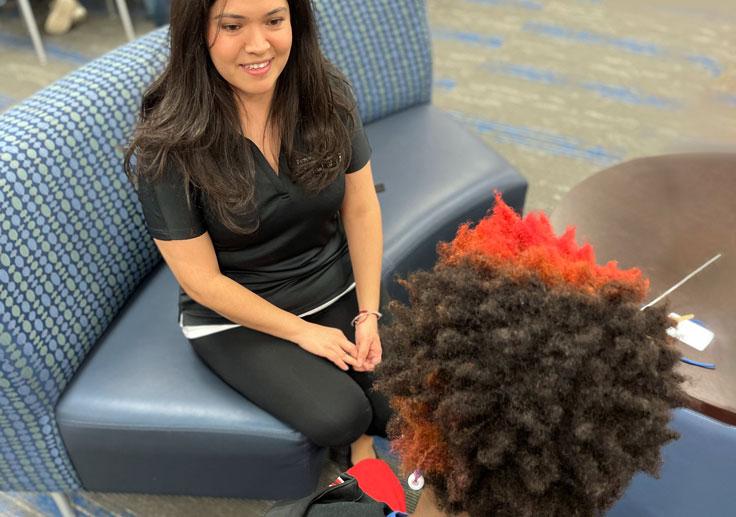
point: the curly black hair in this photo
(519, 396)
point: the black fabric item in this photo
(343, 500)
(329, 406)
(298, 257)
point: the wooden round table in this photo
(668, 215)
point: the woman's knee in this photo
(342, 423)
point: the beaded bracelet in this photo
(362, 315)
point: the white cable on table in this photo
(678, 284)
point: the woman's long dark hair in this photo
(189, 118)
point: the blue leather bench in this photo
(98, 388)
(144, 403)
(698, 475)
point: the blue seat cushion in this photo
(436, 176)
(698, 475)
(143, 414)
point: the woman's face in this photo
(249, 42)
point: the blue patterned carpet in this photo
(564, 88)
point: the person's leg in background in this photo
(63, 14)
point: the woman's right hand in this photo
(327, 342)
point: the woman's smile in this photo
(257, 69)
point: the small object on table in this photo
(684, 317)
(687, 277)
(690, 331)
(710, 366)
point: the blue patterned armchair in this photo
(98, 388)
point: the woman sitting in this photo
(254, 174)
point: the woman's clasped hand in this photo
(332, 344)
(328, 342)
(368, 343)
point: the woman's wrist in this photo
(298, 327)
(364, 315)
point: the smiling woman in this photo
(254, 174)
(250, 49)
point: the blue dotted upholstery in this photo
(74, 247)
(384, 48)
(73, 243)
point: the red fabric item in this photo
(377, 480)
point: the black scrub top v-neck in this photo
(298, 256)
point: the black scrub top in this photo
(298, 257)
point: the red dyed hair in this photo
(421, 442)
(519, 247)
(529, 246)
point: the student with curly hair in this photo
(525, 379)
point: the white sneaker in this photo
(63, 15)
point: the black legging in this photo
(329, 406)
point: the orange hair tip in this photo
(529, 245)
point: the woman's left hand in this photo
(369, 344)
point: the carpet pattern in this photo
(565, 88)
(561, 88)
